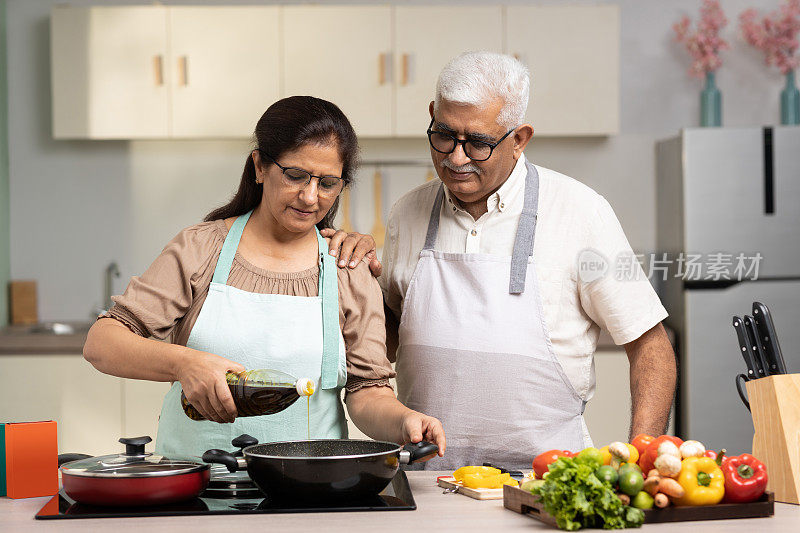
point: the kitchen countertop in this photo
(435, 511)
(17, 340)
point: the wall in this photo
(5, 260)
(75, 206)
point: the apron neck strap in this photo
(329, 293)
(433, 222)
(229, 247)
(526, 229)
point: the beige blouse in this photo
(166, 300)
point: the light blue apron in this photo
(294, 334)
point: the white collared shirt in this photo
(571, 218)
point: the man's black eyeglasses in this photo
(475, 149)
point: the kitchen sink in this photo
(59, 328)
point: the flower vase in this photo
(710, 103)
(790, 102)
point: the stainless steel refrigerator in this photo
(721, 192)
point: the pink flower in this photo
(705, 44)
(775, 35)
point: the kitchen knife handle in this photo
(752, 335)
(744, 346)
(769, 338)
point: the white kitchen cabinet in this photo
(573, 55)
(426, 38)
(109, 77)
(342, 54)
(158, 72)
(86, 404)
(226, 66)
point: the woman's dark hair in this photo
(287, 125)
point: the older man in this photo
(495, 327)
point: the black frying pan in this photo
(323, 470)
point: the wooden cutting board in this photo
(22, 295)
(450, 482)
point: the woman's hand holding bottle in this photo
(202, 377)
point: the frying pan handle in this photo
(417, 450)
(223, 458)
(69, 457)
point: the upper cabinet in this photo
(573, 55)
(342, 54)
(426, 38)
(226, 67)
(109, 77)
(156, 72)
(211, 71)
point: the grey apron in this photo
(475, 352)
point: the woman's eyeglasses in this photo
(475, 149)
(297, 179)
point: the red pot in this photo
(133, 478)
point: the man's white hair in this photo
(478, 78)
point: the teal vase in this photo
(710, 103)
(790, 102)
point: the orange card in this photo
(31, 459)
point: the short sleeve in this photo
(622, 301)
(154, 302)
(363, 327)
(390, 288)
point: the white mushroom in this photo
(619, 453)
(668, 466)
(668, 448)
(692, 448)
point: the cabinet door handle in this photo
(158, 69)
(385, 68)
(405, 65)
(381, 69)
(183, 71)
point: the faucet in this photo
(112, 271)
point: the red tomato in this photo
(543, 460)
(651, 452)
(641, 441)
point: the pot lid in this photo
(135, 462)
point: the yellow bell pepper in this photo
(491, 481)
(482, 470)
(703, 481)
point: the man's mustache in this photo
(469, 167)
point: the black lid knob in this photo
(242, 442)
(135, 445)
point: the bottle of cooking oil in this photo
(259, 392)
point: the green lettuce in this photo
(577, 498)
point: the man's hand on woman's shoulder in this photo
(351, 248)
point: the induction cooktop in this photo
(395, 497)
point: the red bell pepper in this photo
(745, 478)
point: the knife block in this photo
(775, 406)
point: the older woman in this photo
(253, 287)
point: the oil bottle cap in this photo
(305, 387)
